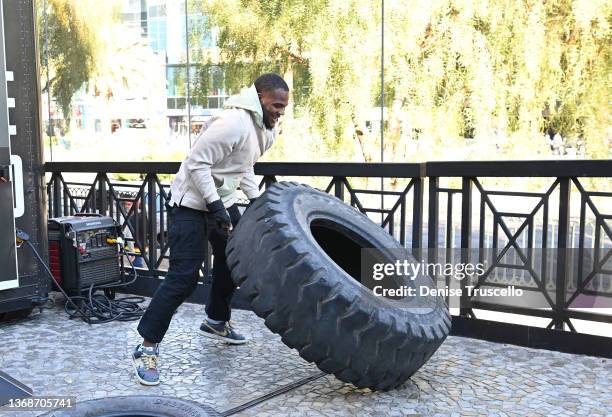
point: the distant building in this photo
(163, 25)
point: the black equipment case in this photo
(83, 251)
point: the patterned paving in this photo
(465, 377)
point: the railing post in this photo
(152, 226)
(433, 218)
(268, 180)
(103, 196)
(93, 207)
(562, 245)
(339, 188)
(49, 196)
(66, 202)
(417, 214)
(466, 240)
(57, 192)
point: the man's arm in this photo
(214, 145)
(249, 185)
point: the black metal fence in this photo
(510, 207)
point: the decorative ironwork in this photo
(521, 239)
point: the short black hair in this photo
(270, 82)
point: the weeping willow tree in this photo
(67, 49)
(499, 72)
(327, 51)
(86, 46)
(502, 72)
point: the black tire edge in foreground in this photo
(314, 304)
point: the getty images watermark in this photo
(413, 269)
(515, 277)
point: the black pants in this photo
(187, 234)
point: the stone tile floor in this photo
(465, 377)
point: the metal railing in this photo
(465, 214)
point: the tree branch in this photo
(44, 89)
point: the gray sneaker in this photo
(145, 361)
(222, 331)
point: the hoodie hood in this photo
(248, 100)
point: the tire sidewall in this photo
(156, 405)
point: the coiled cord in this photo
(97, 308)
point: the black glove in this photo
(219, 215)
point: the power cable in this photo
(95, 308)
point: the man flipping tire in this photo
(203, 208)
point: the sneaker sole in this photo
(224, 339)
(142, 381)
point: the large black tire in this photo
(290, 255)
(136, 405)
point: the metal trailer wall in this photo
(8, 255)
(25, 142)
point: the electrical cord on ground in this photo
(95, 308)
(102, 309)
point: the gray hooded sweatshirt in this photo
(223, 155)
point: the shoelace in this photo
(229, 325)
(150, 361)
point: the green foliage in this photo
(326, 50)
(70, 50)
(503, 72)
(79, 42)
(500, 72)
